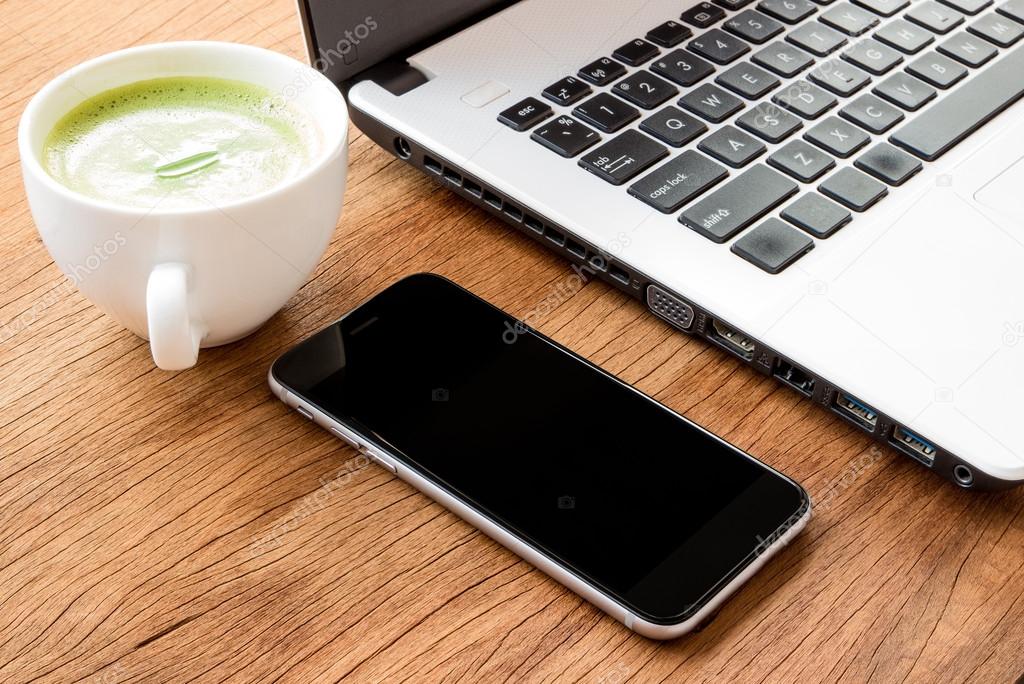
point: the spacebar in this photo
(947, 122)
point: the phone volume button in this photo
(345, 438)
(378, 460)
(304, 412)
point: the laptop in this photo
(831, 191)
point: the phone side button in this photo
(379, 461)
(304, 412)
(345, 438)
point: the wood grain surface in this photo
(168, 527)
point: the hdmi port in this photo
(732, 339)
(913, 446)
(854, 410)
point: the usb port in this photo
(912, 445)
(795, 377)
(861, 414)
(732, 339)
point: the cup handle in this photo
(174, 334)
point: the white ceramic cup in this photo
(196, 277)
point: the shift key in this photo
(672, 185)
(738, 203)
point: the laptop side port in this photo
(795, 377)
(857, 412)
(669, 307)
(912, 445)
(732, 339)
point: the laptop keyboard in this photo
(743, 110)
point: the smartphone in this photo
(643, 513)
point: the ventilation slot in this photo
(619, 274)
(576, 249)
(453, 177)
(433, 165)
(514, 212)
(472, 188)
(533, 224)
(553, 235)
(492, 199)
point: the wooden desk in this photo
(163, 527)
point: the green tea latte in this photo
(180, 143)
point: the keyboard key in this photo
(785, 60)
(770, 122)
(905, 90)
(738, 203)
(606, 113)
(673, 126)
(941, 72)
(623, 157)
(1013, 9)
(817, 215)
(753, 26)
(886, 8)
(567, 90)
(842, 79)
(602, 71)
(789, 11)
(965, 109)
(525, 114)
(886, 163)
(669, 34)
(999, 30)
(904, 36)
(566, 136)
(719, 46)
(711, 103)
(772, 246)
(809, 101)
(853, 21)
(636, 52)
(872, 56)
(732, 146)
(872, 114)
(968, 50)
(935, 17)
(802, 161)
(838, 137)
(645, 89)
(703, 15)
(748, 80)
(968, 6)
(852, 188)
(677, 182)
(733, 4)
(682, 67)
(816, 38)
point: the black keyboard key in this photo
(967, 49)
(636, 52)
(770, 122)
(886, 8)
(682, 67)
(968, 6)
(904, 36)
(711, 102)
(732, 146)
(748, 80)
(935, 17)
(852, 188)
(525, 114)
(872, 114)
(677, 182)
(645, 89)
(1013, 9)
(733, 4)
(1000, 30)
(905, 90)
(816, 215)
(753, 26)
(606, 113)
(567, 90)
(941, 72)
(872, 56)
(965, 109)
(789, 11)
(841, 78)
(719, 46)
(816, 38)
(703, 15)
(785, 60)
(886, 163)
(623, 157)
(853, 21)
(669, 34)
(738, 203)
(802, 161)
(809, 101)
(772, 246)
(602, 71)
(673, 126)
(566, 136)
(839, 137)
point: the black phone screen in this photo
(618, 489)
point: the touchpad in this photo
(1003, 193)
